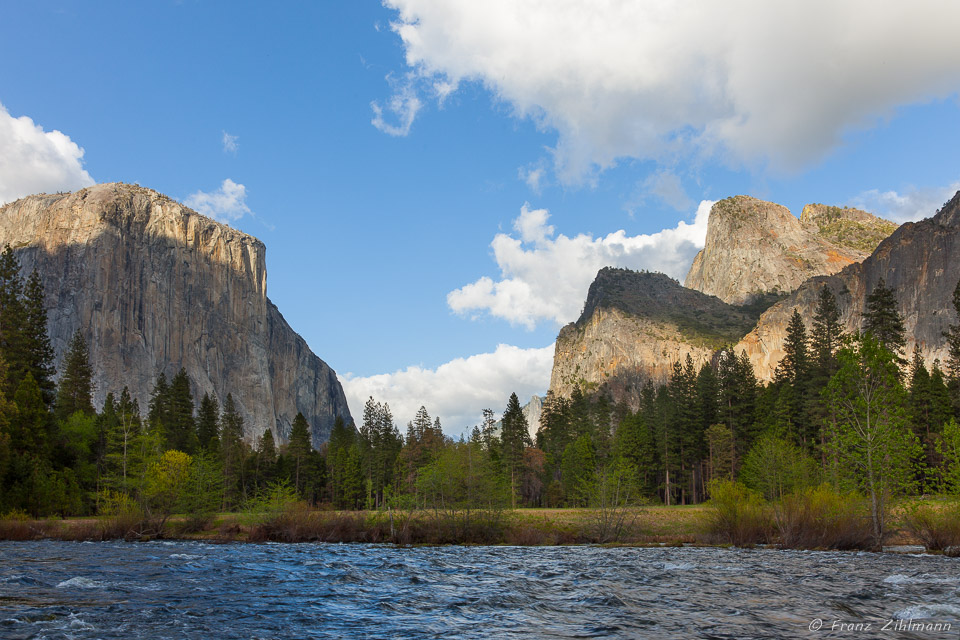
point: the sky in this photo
(437, 182)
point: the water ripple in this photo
(182, 590)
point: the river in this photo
(157, 590)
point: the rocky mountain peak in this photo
(754, 247)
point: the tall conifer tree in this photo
(75, 391)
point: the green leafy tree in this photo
(873, 442)
(776, 467)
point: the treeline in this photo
(851, 411)
(847, 410)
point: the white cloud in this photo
(752, 80)
(911, 205)
(230, 143)
(534, 175)
(226, 204)
(546, 278)
(404, 105)
(459, 390)
(35, 161)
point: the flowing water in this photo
(196, 590)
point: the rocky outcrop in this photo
(154, 286)
(919, 261)
(755, 247)
(634, 327)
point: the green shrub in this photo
(936, 524)
(822, 518)
(737, 514)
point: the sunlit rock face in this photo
(155, 286)
(919, 261)
(755, 247)
(634, 327)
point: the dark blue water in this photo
(196, 590)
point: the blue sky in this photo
(437, 181)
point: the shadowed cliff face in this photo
(919, 261)
(154, 286)
(635, 326)
(753, 247)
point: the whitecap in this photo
(81, 582)
(899, 579)
(921, 611)
(683, 566)
(185, 556)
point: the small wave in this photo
(898, 578)
(922, 611)
(682, 566)
(81, 582)
(185, 556)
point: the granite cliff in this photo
(920, 261)
(634, 326)
(755, 247)
(154, 286)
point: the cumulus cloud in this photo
(230, 144)
(459, 390)
(403, 106)
(911, 205)
(752, 80)
(35, 161)
(546, 277)
(226, 204)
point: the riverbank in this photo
(648, 525)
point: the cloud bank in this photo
(546, 277)
(749, 80)
(35, 161)
(459, 390)
(226, 204)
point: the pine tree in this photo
(208, 421)
(953, 358)
(37, 342)
(515, 437)
(266, 458)
(28, 426)
(299, 446)
(158, 411)
(882, 320)
(233, 452)
(794, 366)
(827, 332)
(75, 392)
(181, 431)
(13, 343)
